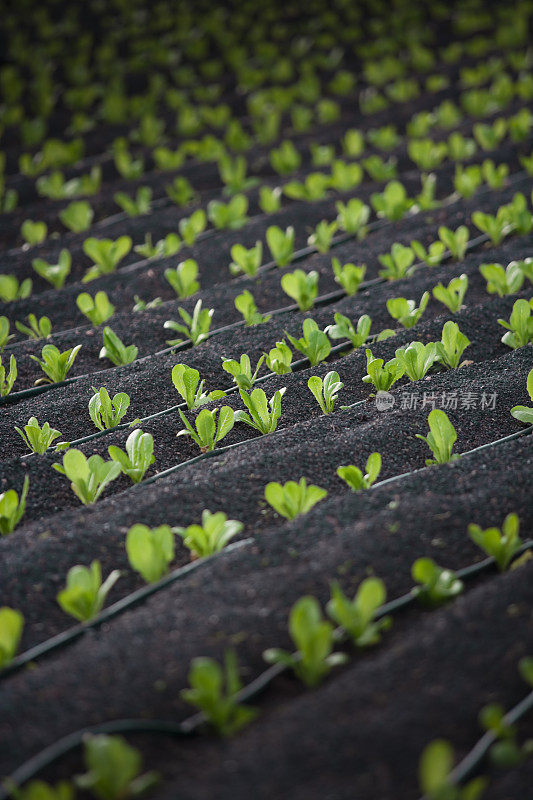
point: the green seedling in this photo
(163, 248)
(496, 227)
(405, 311)
(455, 241)
(88, 476)
(313, 188)
(302, 287)
(452, 345)
(270, 199)
(500, 544)
(107, 413)
(211, 536)
(503, 280)
(357, 617)
(325, 392)
(135, 206)
(11, 626)
(520, 325)
(380, 374)
(506, 752)
(323, 235)
(187, 383)
(12, 508)
(452, 296)
(345, 177)
(150, 550)
(138, 457)
(353, 143)
(183, 278)
(8, 379)
(437, 584)
(85, 594)
(393, 203)
(231, 215)
(435, 770)
(77, 216)
(285, 158)
(105, 254)
(314, 344)
(233, 174)
(129, 168)
(146, 305)
(354, 477)
(180, 191)
(113, 769)
(115, 350)
(426, 154)
(493, 174)
(279, 359)
(489, 136)
(467, 180)
(55, 274)
(416, 359)
(432, 256)
(525, 413)
(281, 244)
(245, 305)
(461, 148)
(353, 216)
(242, 371)
(208, 433)
(98, 309)
(191, 227)
(440, 439)
(292, 499)
(38, 439)
(344, 329)
(54, 364)
(11, 289)
(195, 328)
(5, 336)
(349, 276)
(33, 232)
(380, 169)
(397, 264)
(245, 260)
(36, 328)
(263, 414)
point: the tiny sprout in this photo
(187, 382)
(520, 325)
(107, 413)
(11, 626)
(7, 382)
(314, 344)
(115, 350)
(525, 413)
(242, 371)
(380, 374)
(12, 508)
(38, 439)
(325, 391)
(280, 244)
(183, 278)
(88, 476)
(113, 769)
(452, 345)
(207, 432)
(214, 533)
(349, 276)
(246, 261)
(344, 329)
(85, 594)
(397, 264)
(279, 359)
(440, 439)
(354, 477)
(150, 550)
(302, 287)
(36, 328)
(358, 616)
(245, 305)
(195, 327)
(263, 415)
(437, 584)
(456, 241)
(322, 237)
(54, 364)
(97, 310)
(406, 311)
(138, 457)
(452, 296)
(293, 499)
(500, 544)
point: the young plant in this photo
(11, 289)
(5, 336)
(406, 311)
(467, 180)
(138, 457)
(54, 364)
(245, 260)
(525, 413)
(107, 413)
(230, 215)
(242, 371)
(353, 216)
(98, 309)
(281, 244)
(163, 248)
(208, 433)
(493, 174)
(195, 328)
(325, 392)
(496, 227)
(314, 344)
(186, 380)
(279, 359)
(215, 691)
(180, 191)
(416, 359)
(349, 276)
(11, 626)
(354, 477)
(358, 616)
(452, 345)
(33, 232)
(270, 199)
(36, 328)
(435, 771)
(115, 350)
(106, 254)
(437, 584)
(85, 594)
(452, 296)
(214, 533)
(263, 415)
(55, 274)
(503, 280)
(38, 439)
(432, 256)
(77, 216)
(183, 278)
(314, 187)
(393, 203)
(88, 476)
(245, 305)
(135, 206)
(455, 241)
(113, 769)
(191, 227)
(500, 544)
(150, 550)
(344, 329)
(380, 374)
(302, 287)
(285, 159)
(314, 639)
(440, 439)
(12, 508)
(322, 237)
(397, 263)
(6, 383)
(520, 325)
(292, 499)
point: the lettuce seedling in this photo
(183, 278)
(467, 180)
(233, 174)
(11, 289)
(230, 215)
(107, 413)
(314, 639)
(88, 476)
(503, 280)
(353, 216)
(397, 264)
(461, 148)
(33, 232)
(500, 544)
(195, 328)
(488, 136)
(525, 413)
(322, 236)
(6, 383)
(270, 199)
(452, 296)
(496, 227)
(245, 260)
(416, 359)
(207, 432)
(452, 345)
(55, 274)
(77, 216)
(150, 550)
(345, 177)
(146, 305)
(211, 536)
(38, 439)
(245, 305)
(506, 752)
(5, 336)
(191, 227)
(354, 477)
(129, 168)
(242, 371)
(440, 439)
(180, 191)
(115, 350)
(426, 153)
(36, 328)
(281, 244)
(437, 584)
(215, 691)
(455, 241)
(138, 457)
(106, 254)
(357, 616)
(285, 158)
(292, 499)
(12, 508)
(302, 287)
(11, 625)
(113, 769)
(435, 770)
(263, 414)
(186, 380)
(344, 329)
(393, 203)
(348, 276)
(85, 594)
(380, 374)
(406, 311)
(353, 143)
(520, 325)
(97, 310)
(314, 187)
(135, 206)
(380, 169)
(494, 174)
(279, 359)
(163, 248)
(325, 392)
(314, 344)
(432, 256)
(54, 364)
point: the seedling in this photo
(456, 241)
(314, 640)
(88, 476)
(195, 328)
(393, 203)
(344, 329)
(36, 328)
(380, 169)
(358, 616)
(354, 477)
(270, 199)
(500, 544)
(191, 227)
(493, 174)
(496, 227)
(380, 374)
(115, 350)
(432, 256)
(33, 232)
(55, 274)
(214, 533)
(426, 154)
(263, 415)
(5, 336)
(146, 305)
(113, 769)
(54, 364)
(323, 235)
(215, 691)
(135, 206)
(77, 216)
(106, 254)
(440, 439)
(150, 550)
(397, 263)
(11, 625)
(163, 248)
(302, 287)
(242, 371)
(138, 457)
(246, 261)
(98, 309)
(503, 280)
(325, 392)
(406, 311)
(435, 769)
(183, 278)
(11, 289)
(524, 413)
(38, 439)
(437, 584)
(520, 325)
(345, 176)
(85, 594)
(452, 345)
(416, 359)
(467, 180)
(293, 499)
(12, 508)
(129, 168)
(461, 148)
(279, 359)
(314, 344)
(230, 215)
(6, 383)
(280, 244)
(348, 276)
(452, 296)
(245, 305)
(107, 413)
(186, 380)
(313, 188)
(208, 433)
(352, 216)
